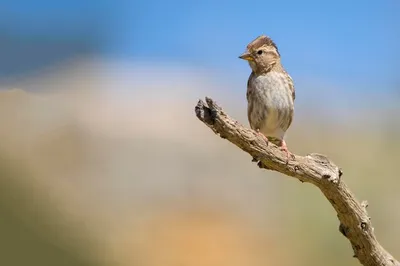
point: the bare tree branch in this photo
(314, 168)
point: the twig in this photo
(314, 168)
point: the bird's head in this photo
(262, 54)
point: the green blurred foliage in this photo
(28, 235)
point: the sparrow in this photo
(270, 92)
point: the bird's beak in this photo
(246, 56)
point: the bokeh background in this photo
(104, 163)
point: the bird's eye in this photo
(259, 52)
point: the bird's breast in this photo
(270, 102)
(273, 90)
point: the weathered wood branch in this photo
(316, 169)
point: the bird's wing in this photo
(254, 123)
(249, 88)
(291, 86)
(287, 122)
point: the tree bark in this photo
(314, 168)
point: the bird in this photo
(270, 92)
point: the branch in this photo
(314, 168)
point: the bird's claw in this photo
(263, 136)
(289, 155)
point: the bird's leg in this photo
(284, 148)
(262, 135)
(265, 139)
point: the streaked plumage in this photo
(270, 91)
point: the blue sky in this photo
(350, 41)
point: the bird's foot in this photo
(262, 135)
(289, 155)
(256, 160)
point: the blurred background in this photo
(103, 161)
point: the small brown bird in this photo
(270, 91)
